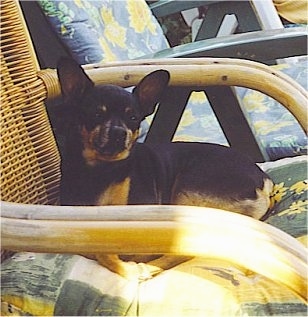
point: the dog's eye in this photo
(133, 118)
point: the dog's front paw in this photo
(129, 270)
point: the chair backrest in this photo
(30, 170)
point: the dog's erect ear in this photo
(150, 89)
(73, 80)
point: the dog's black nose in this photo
(117, 134)
(111, 140)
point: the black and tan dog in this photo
(103, 164)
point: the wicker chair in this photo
(30, 170)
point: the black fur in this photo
(105, 116)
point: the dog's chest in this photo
(121, 183)
(115, 194)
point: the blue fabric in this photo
(275, 128)
(105, 30)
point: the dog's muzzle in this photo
(111, 140)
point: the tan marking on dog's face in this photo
(255, 208)
(115, 194)
(93, 157)
(102, 108)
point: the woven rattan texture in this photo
(29, 157)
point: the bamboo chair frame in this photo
(30, 171)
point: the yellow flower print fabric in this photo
(140, 17)
(278, 192)
(289, 198)
(105, 30)
(274, 127)
(114, 32)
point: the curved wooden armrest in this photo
(178, 230)
(211, 71)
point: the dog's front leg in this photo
(128, 270)
(166, 262)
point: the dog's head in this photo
(108, 117)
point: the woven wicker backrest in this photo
(29, 156)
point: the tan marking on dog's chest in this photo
(115, 194)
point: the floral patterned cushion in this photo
(105, 30)
(289, 196)
(34, 284)
(275, 128)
